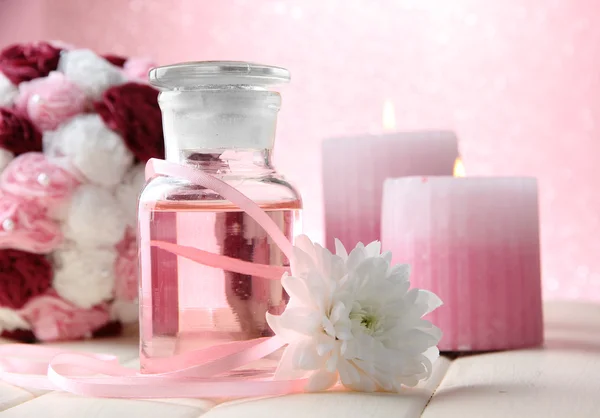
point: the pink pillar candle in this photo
(475, 243)
(354, 170)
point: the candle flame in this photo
(389, 116)
(459, 168)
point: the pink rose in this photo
(33, 176)
(137, 69)
(126, 267)
(25, 226)
(49, 101)
(54, 319)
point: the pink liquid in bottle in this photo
(191, 306)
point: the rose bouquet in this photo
(75, 131)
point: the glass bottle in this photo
(218, 117)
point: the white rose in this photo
(10, 320)
(128, 191)
(84, 277)
(8, 91)
(92, 73)
(96, 151)
(94, 218)
(5, 158)
(125, 311)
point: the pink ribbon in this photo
(195, 373)
(161, 167)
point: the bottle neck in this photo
(227, 162)
(232, 121)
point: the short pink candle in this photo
(475, 243)
(354, 170)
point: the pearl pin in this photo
(43, 179)
(8, 224)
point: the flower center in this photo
(367, 318)
(369, 321)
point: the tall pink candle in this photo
(475, 243)
(354, 170)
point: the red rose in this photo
(111, 329)
(23, 335)
(115, 60)
(17, 133)
(23, 275)
(132, 110)
(24, 62)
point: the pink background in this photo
(518, 80)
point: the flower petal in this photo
(429, 300)
(302, 320)
(339, 312)
(425, 326)
(281, 330)
(343, 334)
(301, 263)
(373, 269)
(352, 349)
(317, 284)
(432, 354)
(325, 344)
(396, 292)
(415, 341)
(411, 297)
(304, 243)
(343, 347)
(296, 289)
(332, 361)
(340, 250)
(321, 380)
(328, 326)
(323, 259)
(285, 368)
(400, 273)
(356, 256)
(348, 372)
(294, 324)
(373, 249)
(364, 384)
(410, 381)
(321, 291)
(306, 357)
(338, 268)
(421, 302)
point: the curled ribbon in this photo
(193, 374)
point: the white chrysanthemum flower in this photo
(10, 320)
(94, 218)
(95, 150)
(92, 73)
(124, 311)
(128, 191)
(84, 277)
(8, 91)
(5, 157)
(353, 318)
